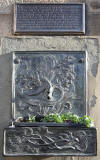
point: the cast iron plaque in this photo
(49, 19)
(50, 141)
(47, 82)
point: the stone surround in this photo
(9, 43)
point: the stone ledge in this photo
(50, 141)
(7, 5)
(57, 43)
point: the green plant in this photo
(52, 118)
(66, 116)
(32, 119)
(74, 118)
(87, 121)
(71, 117)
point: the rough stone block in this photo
(55, 43)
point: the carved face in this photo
(46, 83)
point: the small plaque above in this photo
(47, 82)
(49, 19)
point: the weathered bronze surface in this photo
(47, 82)
(50, 141)
(47, 19)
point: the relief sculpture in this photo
(49, 83)
(37, 140)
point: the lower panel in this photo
(50, 141)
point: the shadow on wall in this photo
(5, 94)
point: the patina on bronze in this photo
(47, 82)
(49, 19)
(50, 141)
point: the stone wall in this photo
(10, 43)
